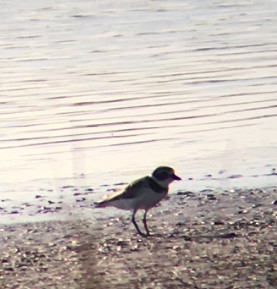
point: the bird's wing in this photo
(131, 191)
(135, 188)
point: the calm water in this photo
(96, 92)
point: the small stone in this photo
(120, 184)
(14, 212)
(274, 202)
(122, 243)
(229, 235)
(235, 176)
(185, 193)
(176, 248)
(210, 197)
(187, 238)
(217, 222)
(242, 212)
(256, 206)
(77, 194)
(10, 269)
(67, 187)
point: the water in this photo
(96, 92)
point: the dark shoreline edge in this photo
(199, 241)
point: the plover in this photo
(143, 194)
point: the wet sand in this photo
(206, 239)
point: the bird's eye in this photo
(163, 175)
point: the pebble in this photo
(80, 200)
(242, 212)
(256, 206)
(228, 235)
(14, 212)
(10, 269)
(67, 187)
(77, 194)
(218, 222)
(235, 176)
(120, 184)
(185, 193)
(211, 197)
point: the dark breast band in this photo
(156, 187)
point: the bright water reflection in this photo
(111, 90)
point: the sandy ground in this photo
(201, 239)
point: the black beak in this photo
(174, 177)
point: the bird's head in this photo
(164, 176)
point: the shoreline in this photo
(200, 240)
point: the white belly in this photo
(145, 200)
(148, 200)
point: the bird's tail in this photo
(102, 204)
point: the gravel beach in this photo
(206, 239)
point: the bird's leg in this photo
(136, 225)
(145, 223)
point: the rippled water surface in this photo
(104, 91)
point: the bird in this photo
(142, 194)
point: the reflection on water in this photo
(110, 90)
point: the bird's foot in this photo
(143, 234)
